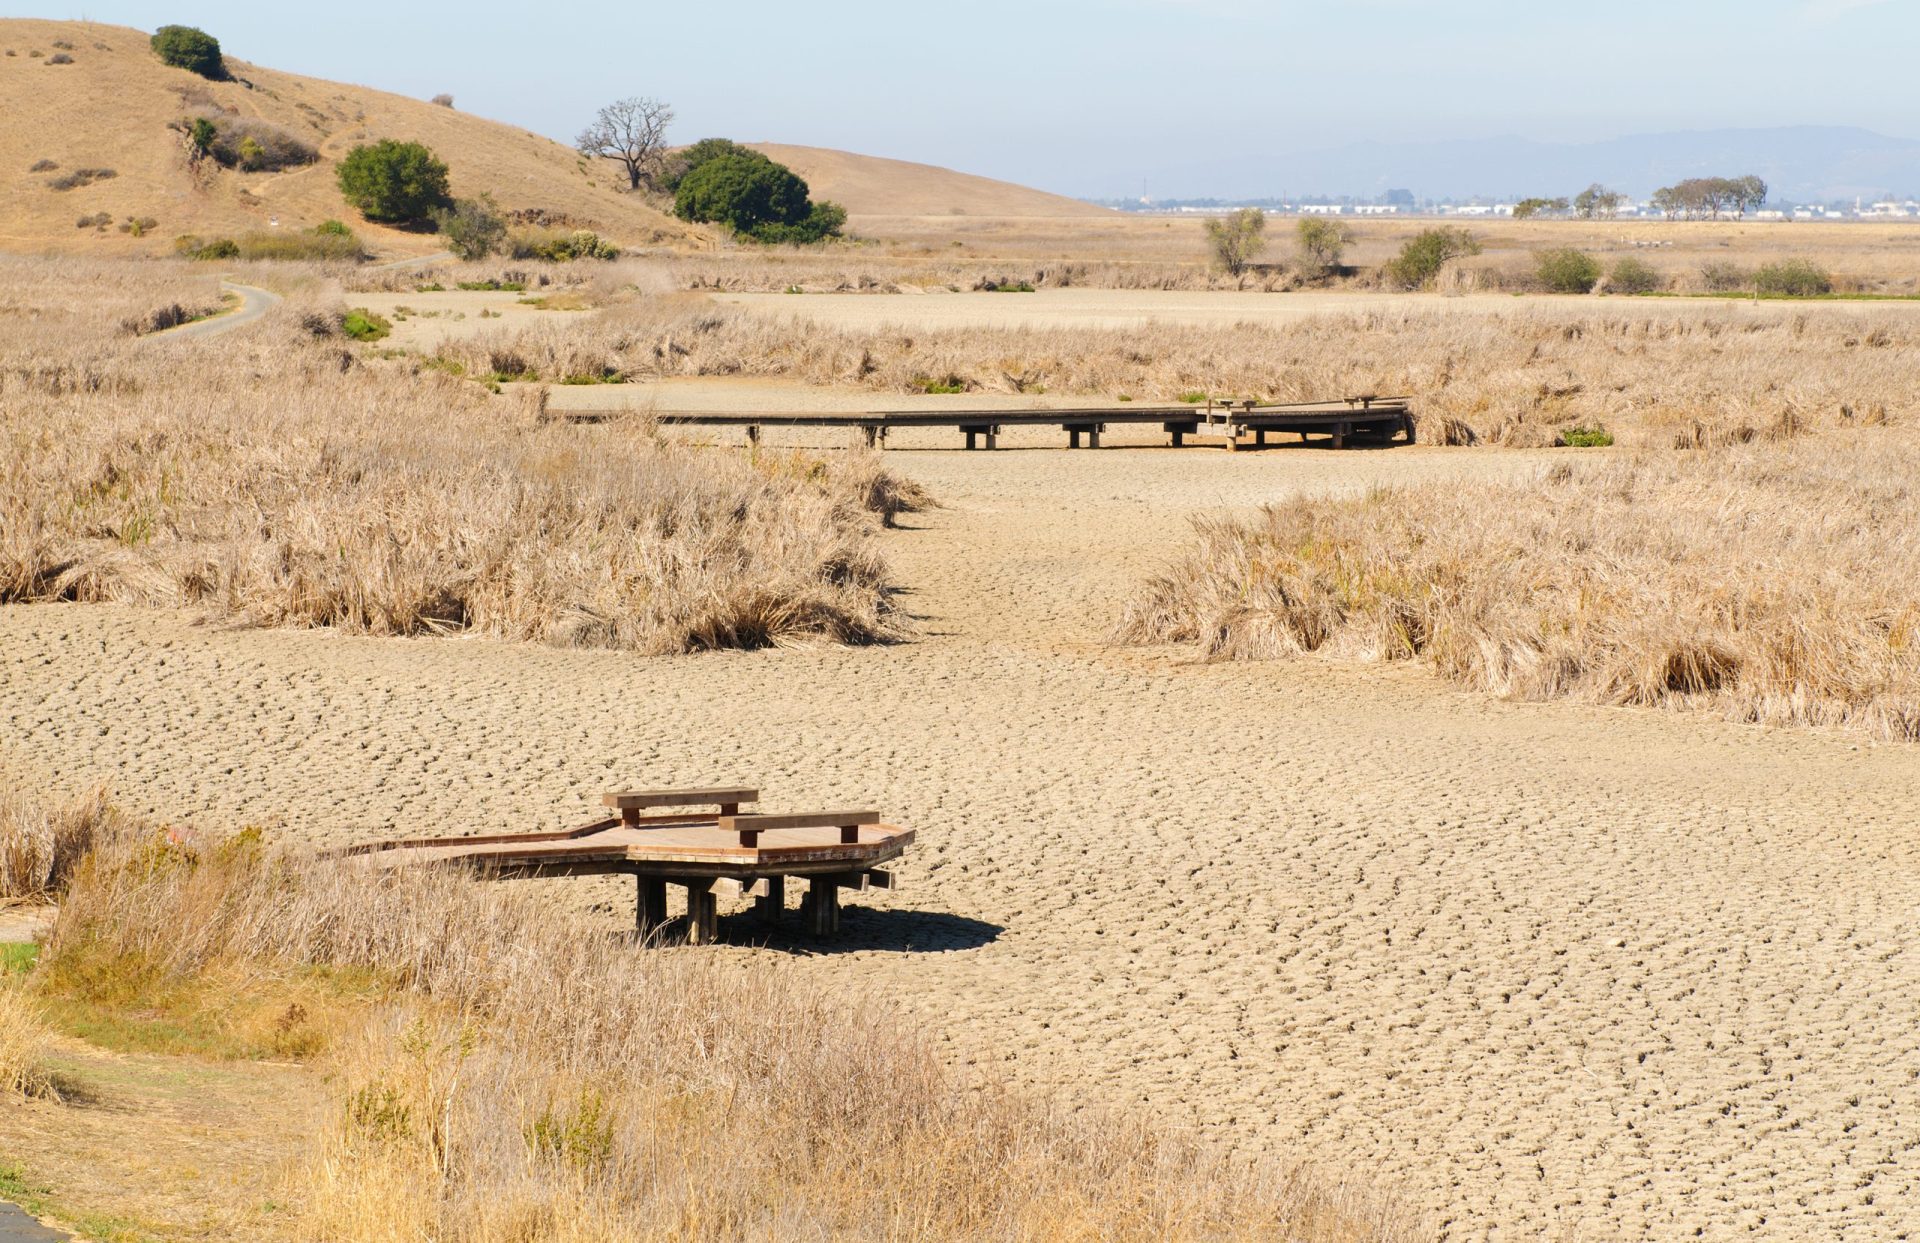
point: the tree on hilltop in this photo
(633, 134)
(190, 48)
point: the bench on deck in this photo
(696, 838)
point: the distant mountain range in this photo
(1803, 163)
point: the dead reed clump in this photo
(43, 839)
(532, 1076)
(370, 498)
(1771, 583)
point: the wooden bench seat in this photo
(630, 803)
(751, 827)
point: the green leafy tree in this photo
(394, 182)
(471, 228)
(190, 48)
(688, 158)
(1237, 238)
(201, 134)
(1596, 202)
(742, 192)
(1323, 243)
(1567, 270)
(1526, 209)
(1420, 261)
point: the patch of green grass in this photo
(436, 287)
(1009, 287)
(39, 1201)
(942, 385)
(1595, 437)
(1193, 398)
(604, 377)
(17, 957)
(494, 286)
(363, 325)
(452, 366)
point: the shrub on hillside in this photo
(560, 245)
(1565, 270)
(471, 228)
(394, 182)
(443, 99)
(363, 325)
(256, 146)
(1633, 276)
(189, 48)
(1720, 276)
(81, 177)
(1793, 278)
(193, 246)
(59, 58)
(1419, 262)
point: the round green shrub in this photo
(1566, 270)
(743, 193)
(1793, 278)
(394, 182)
(1633, 276)
(190, 48)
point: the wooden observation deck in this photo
(711, 854)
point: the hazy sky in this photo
(1092, 98)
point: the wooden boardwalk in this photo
(711, 854)
(1233, 425)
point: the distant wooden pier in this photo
(710, 854)
(1233, 425)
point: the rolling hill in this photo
(868, 185)
(110, 108)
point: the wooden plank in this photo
(751, 827)
(634, 800)
(734, 887)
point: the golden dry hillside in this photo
(867, 185)
(110, 108)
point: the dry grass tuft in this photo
(530, 1076)
(1771, 583)
(24, 1043)
(42, 840)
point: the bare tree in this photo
(633, 132)
(1236, 238)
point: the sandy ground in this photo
(422, 321)
(1552, 971)
(1132, 308)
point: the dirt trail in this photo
(1553, 971)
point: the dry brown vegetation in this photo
(1771, 584)
(368, 495)
(54, 309)
(500, 1071)
(1660, 375)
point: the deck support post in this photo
(650, 904)
(771, 905)
(753, 433)
(1260, 438)
(703, 914)
(873, 435)
(1073, 437)
(1340, 433)
(821, 906)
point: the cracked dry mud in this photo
(1546, 970)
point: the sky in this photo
(1103, 98)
